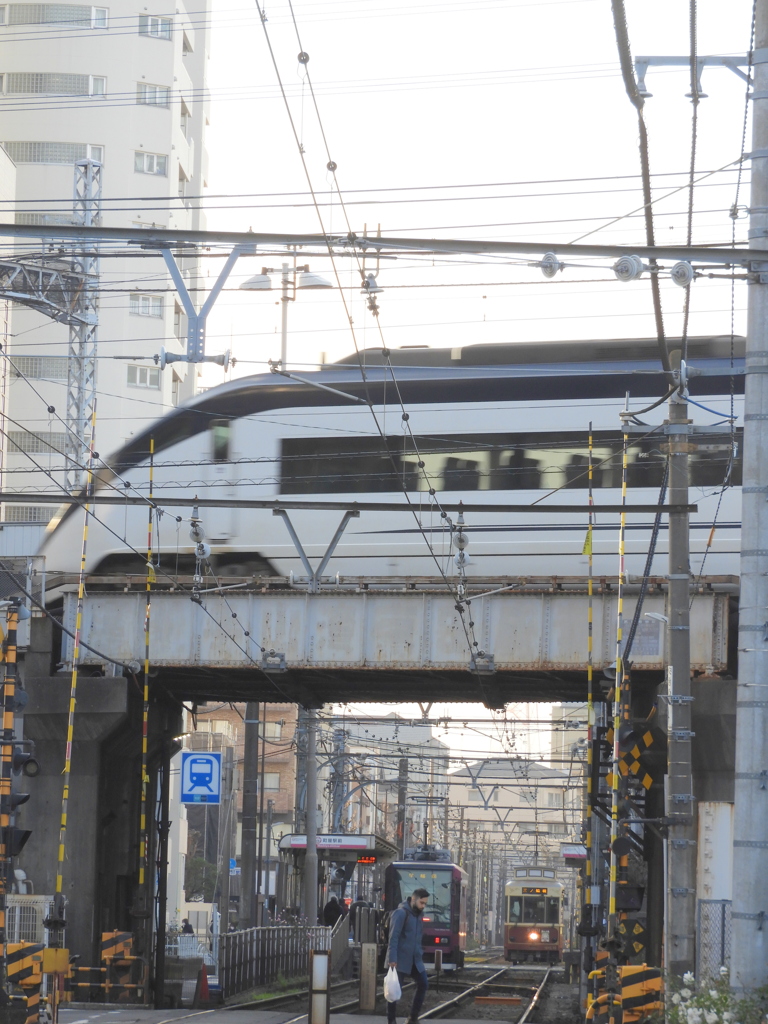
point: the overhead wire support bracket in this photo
(732, 63)
(196, 321)
(316, 574)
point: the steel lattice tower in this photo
(81, 364)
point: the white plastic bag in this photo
(392, 990)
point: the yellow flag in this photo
(587, 549)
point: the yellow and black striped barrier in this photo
(639, 996)
(640, 992)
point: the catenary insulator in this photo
(682, 273)
(550, 265)
(628, 268)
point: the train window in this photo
(553, 910)
(496, 462)
(221, 434)
(438, 885)
(514, 910)
(535, 872)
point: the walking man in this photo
(404, 953)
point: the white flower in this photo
(688, 978)
(713, 993)
(710, 1017)
(676, 998)
(686, 993)
(727, 1016)
(694, 1015)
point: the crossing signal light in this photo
(17, 840)
(26, 763)
(17, 799)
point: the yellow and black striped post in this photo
(7, 700)
(12, 1009)
(57, 921)
(143, 826)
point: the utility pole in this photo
(402, 792)
(680, 917)
(338, 779)
(260, 859)
(749, 955)
(310, 857)
(250, 812)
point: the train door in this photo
(223, 529)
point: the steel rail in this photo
(525, 1019)
(439, 1010)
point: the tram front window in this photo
(437, 882)
(533, 909)
(514, 910)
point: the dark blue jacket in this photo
(405, 928)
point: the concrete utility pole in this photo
(247, 915)
(402, 795)
(749, 955)
(310, 858)
(680, 918)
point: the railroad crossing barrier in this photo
(257, 956)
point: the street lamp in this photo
(291, 278)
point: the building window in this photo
(98, 86)
(179, 322)
(143, 376)
(146, 305)
(153, 95)
(29, 513)
(39, 367)
(160, 28)
(37, 82)
(554, 799)
(46, 152)
(272, 782)
(53, 14)
(35, 444)
(183, 179)
(184, 119)
(273, 730)
(150, 163)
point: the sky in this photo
(456, 119)
(489, 119)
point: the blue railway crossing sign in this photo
(200, 777)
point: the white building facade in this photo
(124, 86)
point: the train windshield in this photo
(437, 882)
(533, 909)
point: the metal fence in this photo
(25, 916)
(259, 956)
(340, 944)
(713, 937)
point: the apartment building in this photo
(122, 85)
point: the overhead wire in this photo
(332, 167)
(630, 85)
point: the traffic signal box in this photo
(120, 979)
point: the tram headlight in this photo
(533, 936)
